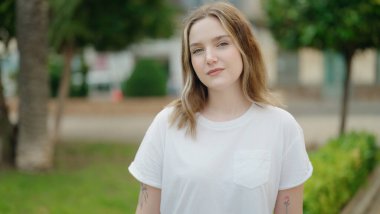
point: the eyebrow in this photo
(214, 39)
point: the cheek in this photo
(241, 65)
(197, 65)
(239, 61)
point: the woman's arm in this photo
(149, 200)
(290, 201)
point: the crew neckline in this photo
(222, 125)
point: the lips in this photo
(215, 71)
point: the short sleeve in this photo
(147, 165)
(296, 166)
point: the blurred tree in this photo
(34, 149)
(67, 32)
(344, 26)
(74, 24)
(7, 31)
(111, 25)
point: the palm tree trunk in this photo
(64, 88)
(346, 92)
(34, 149)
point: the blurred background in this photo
(82, 80)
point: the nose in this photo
(210, 57)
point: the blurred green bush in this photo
(149, 78)
(340, 168)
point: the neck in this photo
(225, 105)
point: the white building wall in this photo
(364, 67)
(252, 9)
(311, 69)
(269, 51)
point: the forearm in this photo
(290, 201)
(149, 200)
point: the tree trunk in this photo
(6, 156)
(34, 150)
(346, 92)
(64, 88)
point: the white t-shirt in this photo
(231, 167)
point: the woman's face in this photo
(215, 57)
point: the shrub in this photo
(340, 168)
(148, 79)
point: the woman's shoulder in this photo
(275, 116)
(165, 116)
(272, 110)
(274, 113)
(165, 113)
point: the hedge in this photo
(340, 168)
(149, 78)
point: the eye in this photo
(196, 51)
(222, 44)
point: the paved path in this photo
(120, 128)
(127, 122)
(367, 199)
(375, 204)
(131, 128)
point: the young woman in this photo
(223, 147)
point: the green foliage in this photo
(8, 19)
(109, 26)
(340, 24)
(340, 168)
(124, 22)
(148, 78)
(67, 24)
(88, 178)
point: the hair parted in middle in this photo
(253, 78)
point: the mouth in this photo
(214, 72)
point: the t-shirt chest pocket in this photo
(251, 168)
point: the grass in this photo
(88, 178)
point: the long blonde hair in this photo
(253, 79)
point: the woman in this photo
(223, 147)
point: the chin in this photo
(218, 87)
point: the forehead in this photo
(205, 30)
